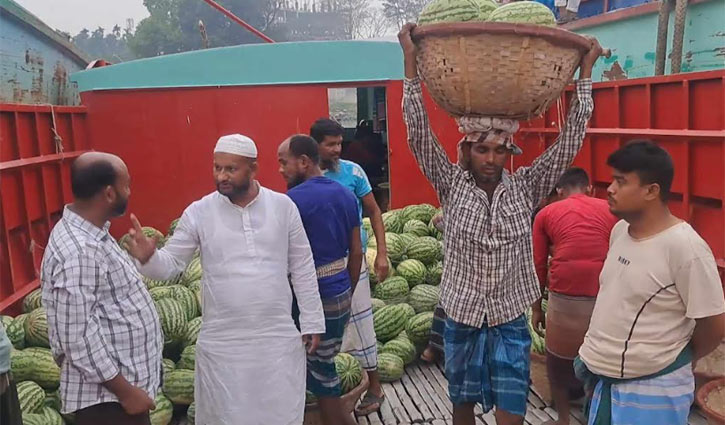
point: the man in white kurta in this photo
(250, 357)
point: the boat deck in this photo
(421, 397)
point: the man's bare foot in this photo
(429, 355)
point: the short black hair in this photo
(301, 144)
(651, 163)
(325, 127)
(90, 179)
(574, 177)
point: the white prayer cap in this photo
(236, 144)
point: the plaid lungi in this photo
(322, 379)
(488, 365)
(437, 329)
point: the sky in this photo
(73, 15)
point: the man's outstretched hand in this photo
(140, 246)
(590, 58)
(409, 50)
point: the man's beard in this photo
(295, 181)
(119, 208)
(330, 164)
(237, 190)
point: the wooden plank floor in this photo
(421, 397)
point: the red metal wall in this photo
(34, 186)
(166, 137)
(685, 113)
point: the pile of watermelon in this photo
(403, 303)
(524, 12)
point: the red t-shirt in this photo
(576, 233)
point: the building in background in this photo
(35, 60)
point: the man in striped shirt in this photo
(103, 328)
(488, 274)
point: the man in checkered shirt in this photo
(488, 274)
(103, 328)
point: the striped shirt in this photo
(488, 274)
(101, 319)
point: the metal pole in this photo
(679, 35)
(238, 20)
(662, 27)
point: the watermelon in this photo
(396, 249)
(413, 271)
(31, 397)
(402, 335)
(392, 221)
(418, 327)
(377, 304)
(32, 301)
(393, 290)
(172, 317)
(390, 367)
(187, 299)
(44, 371)
(187, 360)
(172, 226)
(485, 8)
(160, 292)
(349, 371)
(193, 272)
(408, 311)
(163, 412)
(44, 416)
(195, 285)
(370, 255)
(36, 329)
(407, 239)
(390, 320)
(167, 365)
(179, 386)
(524, 12)
(191, 331)
(52, 400)
(191, 413)
(416, 227)
(421, 212)
(6, 321)
(434, 273)
(425, 249)
(424, 298)
(402, 348)
(379, 346)
(16, 331)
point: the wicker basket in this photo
(713, 417)
(497, 69)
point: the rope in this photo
(679, 35)
(56, 137)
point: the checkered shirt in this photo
(488, 273)
(101, 319)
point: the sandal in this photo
(429, 355)
(369, 404)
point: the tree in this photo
(401, 11)
(374, 24)
(99, 45)
(173, 25)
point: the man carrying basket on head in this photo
(489, 278)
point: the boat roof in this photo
(314, 62)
